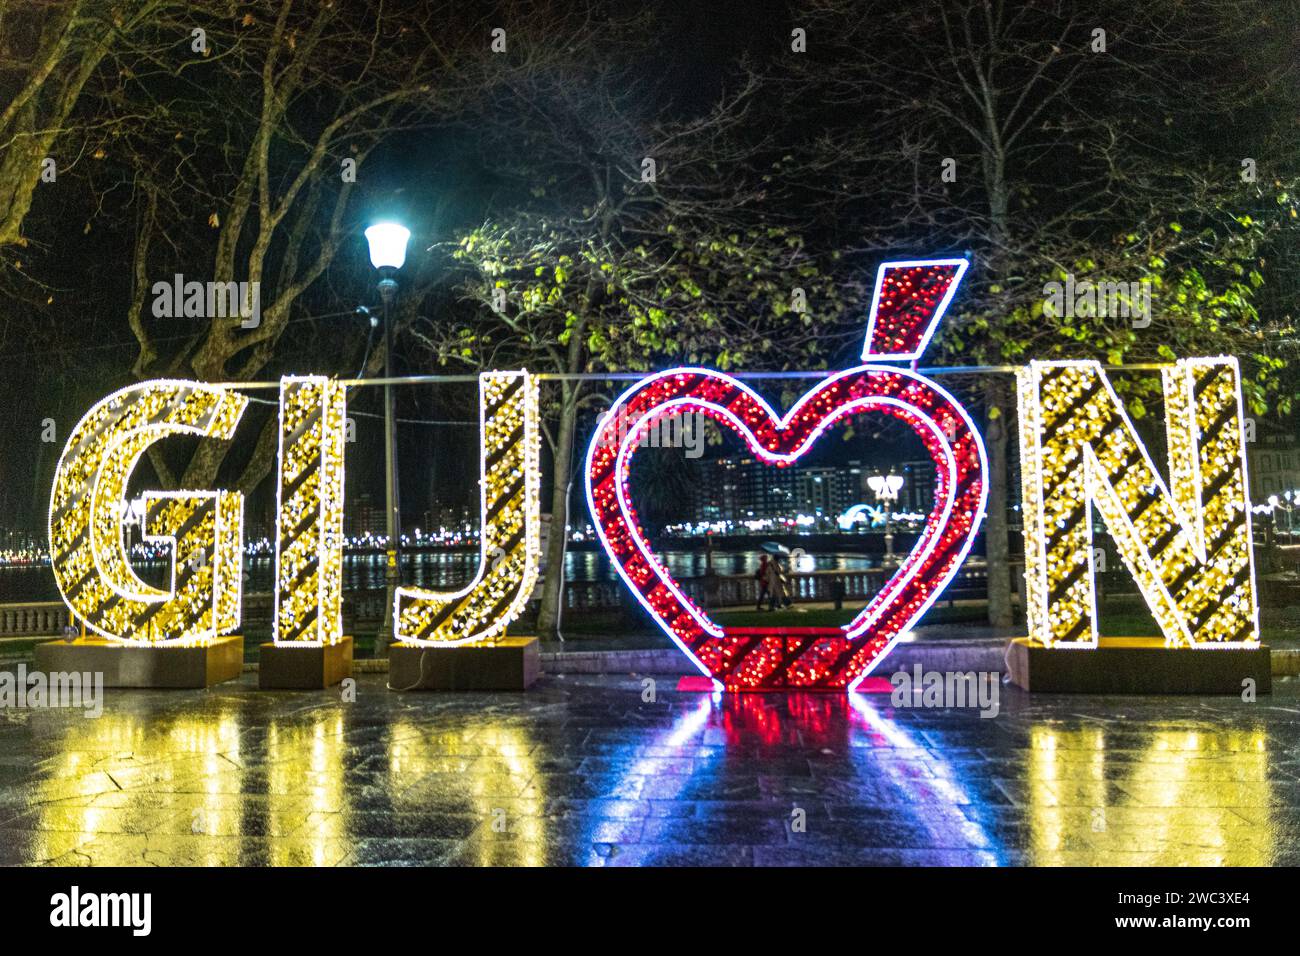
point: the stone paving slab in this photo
(586, 770)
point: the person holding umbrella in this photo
(776, 584)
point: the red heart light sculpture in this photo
(910, 299)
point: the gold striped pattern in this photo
(309, 535)
(192, 522)
(88, 556)
(1189, 550)
(509, 527)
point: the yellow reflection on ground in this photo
(1169, 797)
(229, 779)
(193, 789)
(305, 770)
(484, 771)
(125, 788)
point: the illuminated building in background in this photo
(739, 488)
(1274, 465)
(364, 517)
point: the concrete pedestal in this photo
(281, 667)
(1137, 665)
(512, 663)
(130, 665)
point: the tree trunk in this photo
(33, 120)
(997, 548)
(20, 173)
(41, 479)
(548, 616)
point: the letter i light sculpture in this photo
(309, 538)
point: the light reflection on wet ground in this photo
(583, 771)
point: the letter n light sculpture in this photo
(1188, 546)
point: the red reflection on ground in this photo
(699, 684)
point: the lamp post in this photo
(388, 254)
(886, 488)
(132, 517)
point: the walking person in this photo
(761, 577)
(775, 584)
(783, 577)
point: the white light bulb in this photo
(387, 244)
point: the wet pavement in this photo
(583, 770)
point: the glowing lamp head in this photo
(132, 510)
(388, 245)
(885, 486)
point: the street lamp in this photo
(132, 516)
(886, 489)
(388, 254)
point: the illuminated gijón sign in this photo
(87, 552)
(309, 513)
(1188, 544)
(205, 528)
(510, 539)
(910, 300)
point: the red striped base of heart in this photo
(699, 684)
(786, 658)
